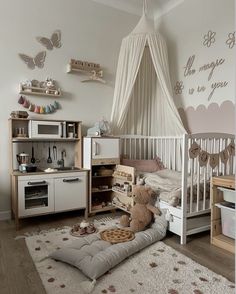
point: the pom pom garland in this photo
(38, 109)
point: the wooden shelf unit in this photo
(100, 156)
(217, 238)
(122, 199)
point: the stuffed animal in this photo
(142, 212)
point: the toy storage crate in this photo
(228, 194)
(227, 218)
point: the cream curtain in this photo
(143, 102)
(128, 65)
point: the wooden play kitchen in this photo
(223, 212)
(57, 182)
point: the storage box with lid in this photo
(228, 194)
(228, 218)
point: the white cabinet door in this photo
(71, 192)
(35, 196)
(105, 148)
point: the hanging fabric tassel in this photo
(52, 108)
(31, 107)
(21, 100)
(88, 286)
(26, 104)
(56, 105)
(42, 111)
(47, 109)
(37, 109)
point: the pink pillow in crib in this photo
(144, 165)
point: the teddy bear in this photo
(142, 213)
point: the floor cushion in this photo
(94, 257)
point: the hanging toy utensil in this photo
(54, 151)
(49, 160)
(33, 160)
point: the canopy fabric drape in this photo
(143, 102)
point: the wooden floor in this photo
(19, 276)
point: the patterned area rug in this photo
(158, 269)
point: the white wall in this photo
(90, 31)
(184, 28)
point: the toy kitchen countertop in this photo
(55, 171)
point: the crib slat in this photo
(204, 179)
(191, 185)
(198, 180)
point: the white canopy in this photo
(143, 102)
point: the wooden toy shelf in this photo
(217, 238)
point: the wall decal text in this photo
(188, 70)
(215, 86)
(212, 66)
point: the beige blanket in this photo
(168, 184)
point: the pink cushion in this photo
(144, 165)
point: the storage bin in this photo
(228, 194)
(227, 218)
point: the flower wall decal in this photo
(209, 38)
(231, 40)
(179, 88)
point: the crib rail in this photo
(173, 151)
(168, 149)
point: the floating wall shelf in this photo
(37, 91)
(94, 70)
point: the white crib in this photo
(192, 216)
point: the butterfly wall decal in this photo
(38, 61)
(54, 41)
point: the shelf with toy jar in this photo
(123, 182)
(43, 88)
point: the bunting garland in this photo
(38, 109)
(214, 159)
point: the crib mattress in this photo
(168, 185)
